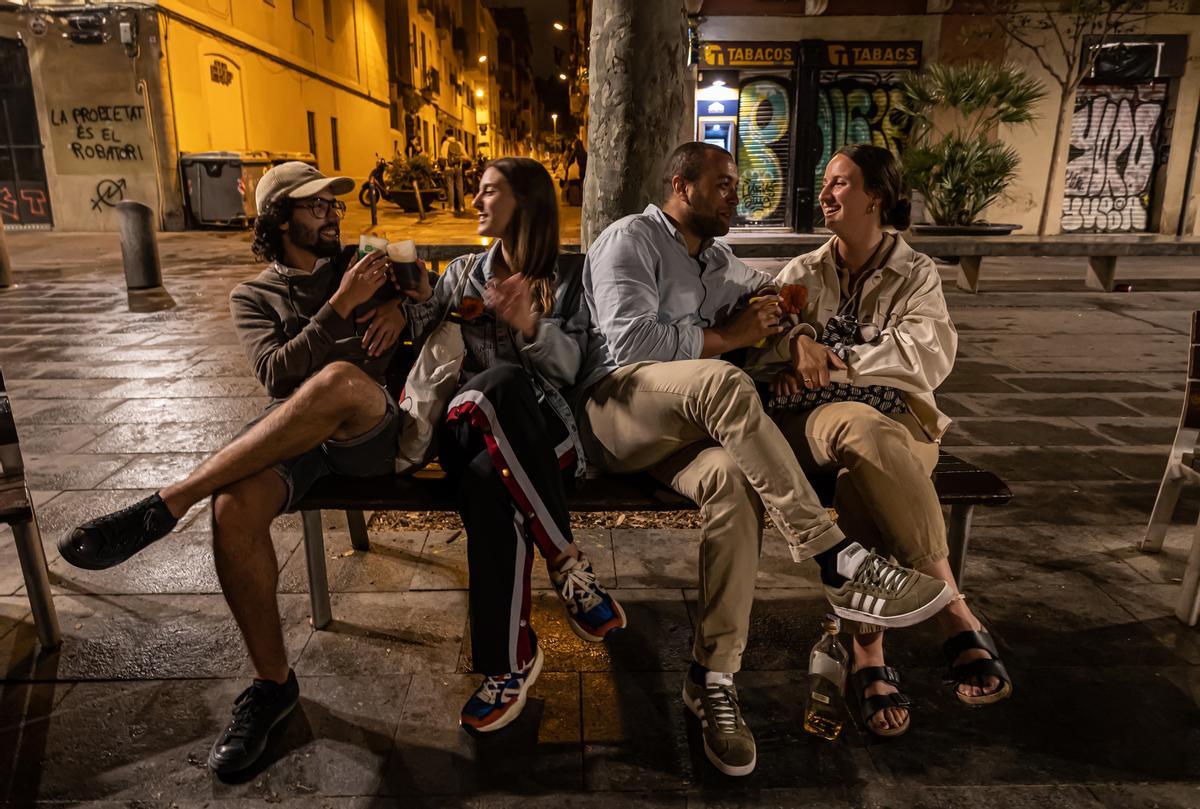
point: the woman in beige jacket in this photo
(863, 402)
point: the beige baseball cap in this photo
(297, 180)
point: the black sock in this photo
(696, 673)
(828, 561)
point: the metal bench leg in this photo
(968, 273)
(1164, 507)
(318, 580)
(1188, 609)
(37, 582)
(1101, 273)
(958, 535)
(358, 531)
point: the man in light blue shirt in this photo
(666, 300)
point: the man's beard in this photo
(312, 240)
(706, 225)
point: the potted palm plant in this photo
(954, 159)
(406, 177)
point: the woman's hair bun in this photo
(900, 216)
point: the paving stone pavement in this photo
(1071, 395)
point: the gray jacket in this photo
(552, 358)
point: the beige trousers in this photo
(698, 426)
(885, 496)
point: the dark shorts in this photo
(366, 455)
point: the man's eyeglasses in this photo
(320, 208)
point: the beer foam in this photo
(403, 252)
(368, 243)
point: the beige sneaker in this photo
(888, 595)
(728, 743)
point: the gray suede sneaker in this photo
(888, 595)
(728, 743)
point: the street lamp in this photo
(482, 58)
(554, 123)
(562, 76)
(559, 26)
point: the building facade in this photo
(782, 85)
(113, 95)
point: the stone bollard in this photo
(139, 245)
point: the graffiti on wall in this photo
(24, 202)
(87, 137)
(1112, 157)
(108, 193)
(764, 143)
(859, 107)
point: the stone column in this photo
(637, 96)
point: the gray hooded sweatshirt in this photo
(289, 331)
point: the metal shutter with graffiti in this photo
(858, 107)
(1113, 156)
(764, 148)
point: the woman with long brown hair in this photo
(509, 438)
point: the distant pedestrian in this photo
(451, 159)
(414, 147)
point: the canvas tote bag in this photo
(430, 385)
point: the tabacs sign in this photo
(872, 54)
(747, 54)
(831, 54)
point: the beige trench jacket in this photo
(916, 350)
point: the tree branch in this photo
(1012, 30)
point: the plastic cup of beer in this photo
(403, 256)
(368, 244)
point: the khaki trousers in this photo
(699, 427)
(885, 496)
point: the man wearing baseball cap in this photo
(319, 342)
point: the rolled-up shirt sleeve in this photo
(624, 296)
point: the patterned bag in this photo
(841, 333)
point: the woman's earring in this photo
(872, 208)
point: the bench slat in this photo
(957, 482)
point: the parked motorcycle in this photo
(373, 189)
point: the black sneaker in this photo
(113, 538)
(260, 708)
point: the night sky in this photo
(541, 14)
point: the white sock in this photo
(850, 558)
(718, 678)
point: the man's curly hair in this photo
(268, 237)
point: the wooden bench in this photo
(1100, 249)
(1183, 466)
(960, 486)
(16, 511)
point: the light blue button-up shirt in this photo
(649, 300)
